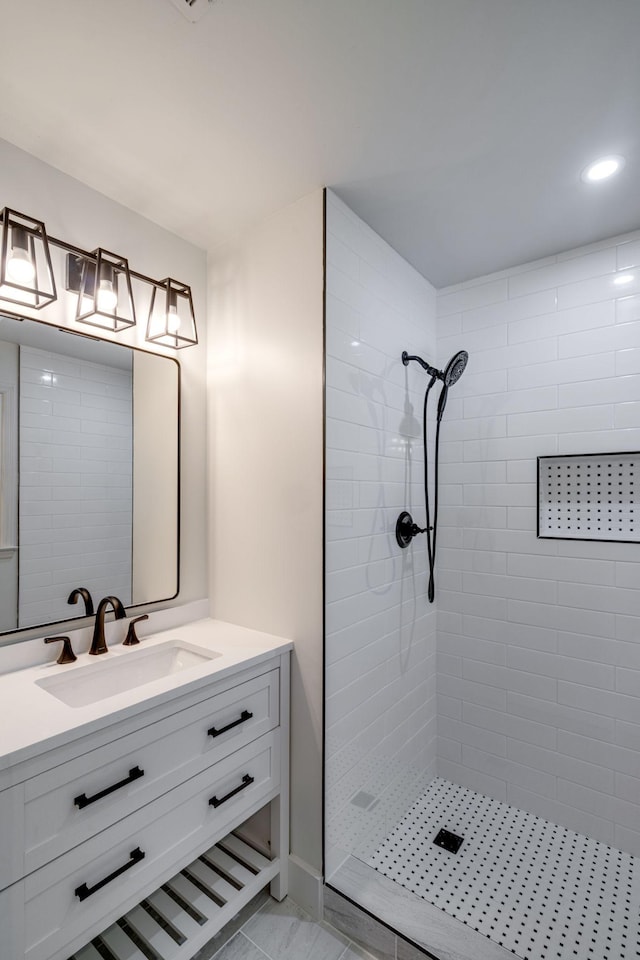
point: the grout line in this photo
(253, 943)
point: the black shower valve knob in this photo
(407, 529)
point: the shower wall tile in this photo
(628, 255)
(473, 779)
(628, 735)
(562, 568)
(562, 322)
(552, 626)
(516, 401)
(553, 762)
(579, 268)
(627, 788)
(533, 305)
(583, 672)
(595, 290)
(627, 840)
(484, 650)
(627, 309)
(569, 420)
(380, 650)
(602, 442)
(627, 361)
(606, 755)
(486, 740)
(448, 706)
(470, 298)
(483, 339)
(622, 336)
(518, 728)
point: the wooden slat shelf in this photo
(161, 928)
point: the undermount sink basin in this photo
(108, 677)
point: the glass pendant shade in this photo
(26, 274)
(105, 298)
(172, 321)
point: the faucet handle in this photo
(131, 638)
(66, 654)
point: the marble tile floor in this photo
(282, 931)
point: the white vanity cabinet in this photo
(143, 810)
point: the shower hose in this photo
(431, 529)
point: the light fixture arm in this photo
(91, 257)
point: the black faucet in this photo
(98, 643)
(86, 596)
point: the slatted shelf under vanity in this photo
(175, 921)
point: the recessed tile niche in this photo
(591, 496)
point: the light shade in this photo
(105, 298)
(26, 274)
(172, 321)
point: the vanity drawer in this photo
(12, 922)
(150, 843)
(11, 835)
(72, 802)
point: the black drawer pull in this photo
(245, 715)
(246, 780)
(83, 800)
(83, 891)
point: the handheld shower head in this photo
(442, 401)
(451, 373)
(455, 368)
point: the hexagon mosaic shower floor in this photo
(537, 889)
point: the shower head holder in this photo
(407, 529)
(406, 359)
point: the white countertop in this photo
(33, 721)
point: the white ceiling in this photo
(456, 128)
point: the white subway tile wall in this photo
(539, 641)
(380, 628)
(75, 483)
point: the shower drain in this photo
(448, 841)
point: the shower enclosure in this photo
(482, 752)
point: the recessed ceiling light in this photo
(602, 169)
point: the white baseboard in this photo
(305, 887)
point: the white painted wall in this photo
(74, 212)
(266, 453)
(539, 640)
(380, 628)
(75, 483)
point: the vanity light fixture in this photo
(102, 281)
(171, 320)
(602, 169)
(105, 298)
(26, 274)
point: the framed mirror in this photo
(89, 473)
